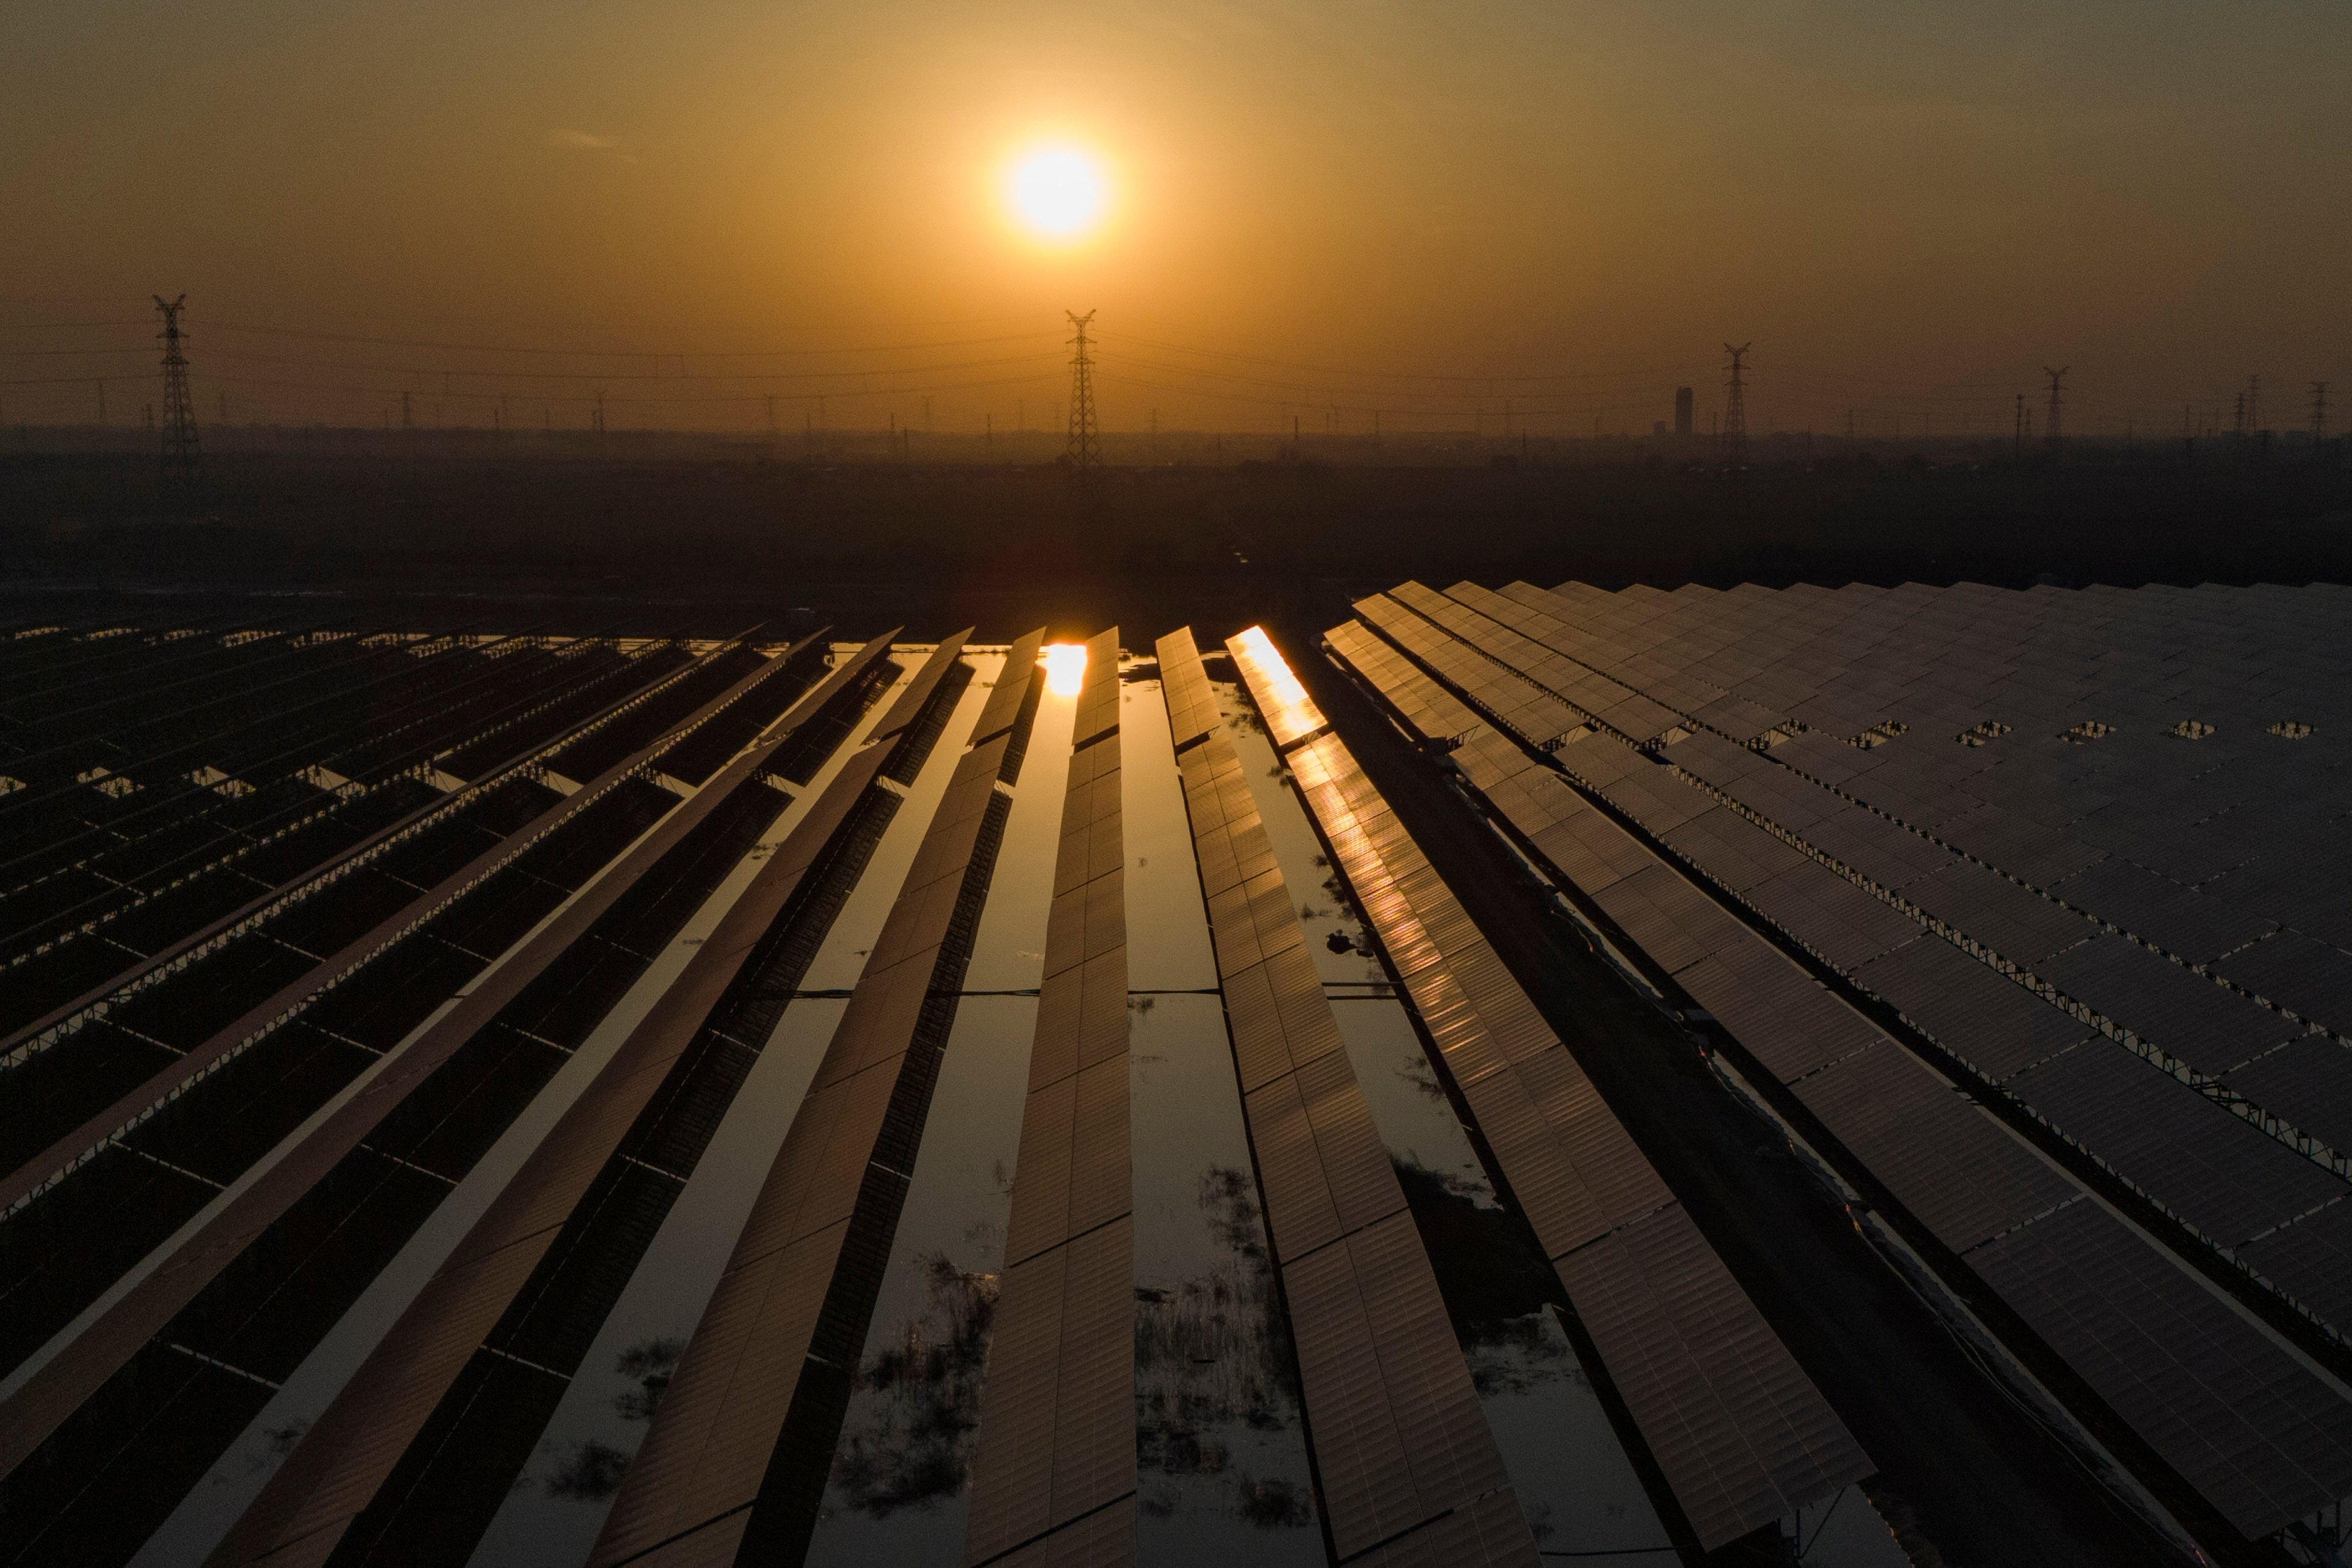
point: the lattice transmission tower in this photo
(1735, 406)
(2056, 433)
(1085, 435)
(182, 468)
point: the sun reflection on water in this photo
(1066, 668)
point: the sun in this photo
(1059, 193)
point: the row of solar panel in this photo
(131, 888)
(60, 683)
(139, 1403)
(769, 1367)
(276, 939)
(2208, 1034)
(1054, 1469)
(1971, 1184)
(230, 895)
(1403, 1449)
(1740, 1433)
(350, 960)
(345, 703)
(2242, 791)
(418, 1451)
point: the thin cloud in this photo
(581, 141)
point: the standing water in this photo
(901, 1467)
(1221, 1444)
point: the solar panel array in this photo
(1406, 1460)
(408, 1457)
(184, 1359)
(2048, 829)
(144, 1103)
(370, 1001)
(787, 1322)
(1741, 1434)
(146, 799)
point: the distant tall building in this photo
(1682, 410)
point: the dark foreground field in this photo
(581, 538)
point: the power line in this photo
(1320, 397)
(1375, 411)
(1395, 375)
(487, 396)
(445, 370)
(620, 353)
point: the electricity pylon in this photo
(182, 468)
(1735, 406)
(1086, 436)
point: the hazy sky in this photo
(1909, 208)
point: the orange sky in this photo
(1909, 209)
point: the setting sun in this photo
(1059, 193)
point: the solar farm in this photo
(1509, 1075)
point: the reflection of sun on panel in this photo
(1290, 714)
(1066, 668)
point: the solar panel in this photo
(2220, 1172)
(2052, 804)
(2293, 971)
(1743, 1430)
(1829, 917)
(1289, 713)
(1736, 852)
(1984, 906)
(2263, 1438)
(705, 1463)
(1426, 706)
(2210, 1028)
(1399, 1440)
(1654, 798)
(2310, 1261)
(1579, 1178)
(1048, 1460)
(1949, 1164)
(2177, 918)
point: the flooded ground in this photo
(901, 1470)
(1220, 1447)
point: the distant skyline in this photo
(1390, 208)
